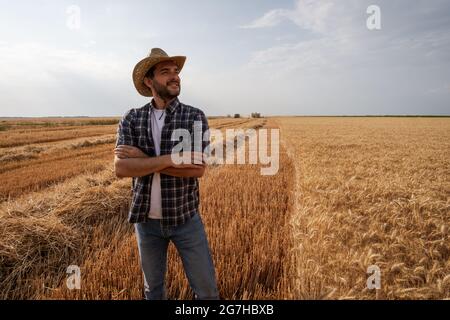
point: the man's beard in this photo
(163, 92)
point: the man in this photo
(165, 198)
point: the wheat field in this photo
(350, 193)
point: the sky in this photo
(296, 57)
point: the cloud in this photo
(33, 61)
(361, 69)
(313, 15)
(439, 90)
(39, 79)
(335, 41)
(341, 39)
(269, 19)
(320, 59)
(308, 14)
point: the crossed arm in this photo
(130, 161)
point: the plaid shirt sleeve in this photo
(125, 130)
(126, 135)
(205, 136)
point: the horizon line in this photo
(249, 116)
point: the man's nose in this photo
(175, 77)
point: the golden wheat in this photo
(370, 191)
(350, 193)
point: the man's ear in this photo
(148, 82)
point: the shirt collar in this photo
(170, 108)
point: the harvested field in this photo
(350, 193)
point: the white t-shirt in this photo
(157, 122)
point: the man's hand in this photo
(124, 152)
(193, 166)
(189, 160)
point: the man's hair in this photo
(150, 73)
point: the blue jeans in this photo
(192, 245)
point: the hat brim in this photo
(145, 64)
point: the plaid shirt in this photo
(179, 195)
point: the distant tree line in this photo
(238, 115)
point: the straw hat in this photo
(155, 56)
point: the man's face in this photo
(166, 82)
